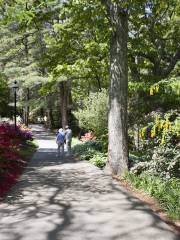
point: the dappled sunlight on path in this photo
(60, 198)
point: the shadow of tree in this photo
(64, 199)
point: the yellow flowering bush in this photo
(163, 127)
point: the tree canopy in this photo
(64, 52)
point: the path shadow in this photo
(61, 198)
(66, 203)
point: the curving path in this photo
(64, 199)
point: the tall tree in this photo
(117, 119)
(4, 96)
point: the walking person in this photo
(68, 138)
(60, 138)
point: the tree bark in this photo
(50, 119)
(26, 108)
(117, 119)
(98, 82)
(64, 101)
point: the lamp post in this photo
(15, 87)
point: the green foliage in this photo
(88, 146)
(159, 146)
(136, 157)
(167, 192)
(166, 92)
(93, 114)
(4, 96)
(104, 141)
(154, 36)
(91, 151)
(75, 141)
(165, 163)
(164, 127)
(78, 48)
(99, 160)
(153, 58)
(29, 149)
(46, 42)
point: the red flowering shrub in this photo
(88, 137)
(11, 163)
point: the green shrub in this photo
(99, 160)
(5, 109)
(91, 151)
(93, 114)
(94, 145)
(83, 147)
(75, 141)
(167, 192)
(165, 163)
(104, 141)
(136, 157)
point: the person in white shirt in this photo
(68, 138)
(60, 139)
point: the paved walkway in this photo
(63, 199)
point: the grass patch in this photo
(167, 192)
(28, 149)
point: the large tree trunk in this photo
(26, 108)
(64, 102)
(117, 119)
(50, 119)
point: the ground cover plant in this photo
(90, 150)
(167, 192)
(16, 146)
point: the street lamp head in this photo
(15, 86)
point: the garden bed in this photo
(16, 148)
(152, 200)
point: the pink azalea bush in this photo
(89, 136)
(11, 163)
